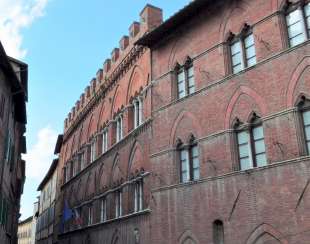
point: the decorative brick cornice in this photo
(128, 62)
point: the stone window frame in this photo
(137, 103)
(105, 140)
(138, 195)
(185, 68)
(289, 8)
(254, 121)
(232, 39)
(119, 127)
(192, 143)
(118, 203)
(103, 209)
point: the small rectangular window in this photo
(295, 27)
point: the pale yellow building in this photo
(25, 231)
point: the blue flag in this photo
(67, 214)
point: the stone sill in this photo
(122, 218)
(234, 173)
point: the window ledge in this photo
(134, 133)
(235, 173)
(121, 218)
(228, 77)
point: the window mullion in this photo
(252, 148)
(190, 161)
(243, 53)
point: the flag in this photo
(66, 215)
(77, 218)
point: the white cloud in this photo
(40, 156)
(15, 15)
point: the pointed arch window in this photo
(90, 215)
(105, 140)
(103, 209)
(93, 150)
(137, 111)
(242, 50)
(218, 232)
(118, 204)
(189, 161)
(298, 22)
(251, 144)
(119, 127)
(304, 109)
(185, 79)
(138, 196)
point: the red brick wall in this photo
(266, 203)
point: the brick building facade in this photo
(13, 97)
(197, 131)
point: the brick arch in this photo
(101, 117)
(117, 103)
(102, 177)
(251, 93)
(136, 159)
(81, 190)
(72, 146)
(196, 129)
(187, 238)
(234, 10)
(76, 190)
(295, 77)
(136, 82)
(91, 126)
(179, 45)
(265, 229)
(70, 198)
(80, 135)
(117, 174)
(90, 185)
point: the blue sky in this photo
(64, 43)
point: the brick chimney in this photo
(151, 17)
